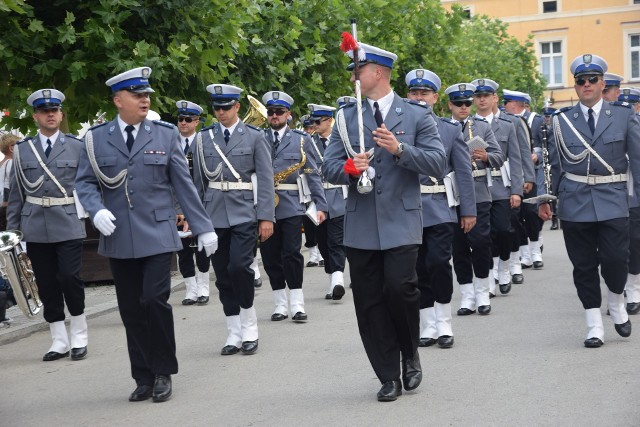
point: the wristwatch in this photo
(399, 150)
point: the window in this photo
(549, 6)
(467, 12)
(634, 50)
(551, 61)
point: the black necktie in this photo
(324, 142)
(591, 122)
(462, 123)
(129, 130)
(276, 143)
(377, 114)
(186, 146)
(227, 135)
(48, 149)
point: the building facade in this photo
(564, 29)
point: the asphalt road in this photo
(524, 364)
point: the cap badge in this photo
(218, 90)
(145, 72)
(46, 93)
(462, 88)
(481, 82)
(275, 95)
(184, 104)
(587, 58)
(420, 74)
(626, 91)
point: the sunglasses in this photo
(461, 103)
(49, 110)
(317, 121)
(223, 107)
(581, 81)
(187, 119)
(276, 112)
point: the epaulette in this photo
(70, 135)
(563, 110)
(253, 127)
(28, 138)
(508, 113)
(481, 119)
(504, 120)
(414, 102)
(98, 125)
(621, 104)
(349, 105)
(208, 127)
(163, 123)
(450, 121)
(301, 132)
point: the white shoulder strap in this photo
(586, 145)
(224, 158)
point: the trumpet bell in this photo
(257, 114)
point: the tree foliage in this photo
(260, 45)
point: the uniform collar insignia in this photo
(147, 128)
(112, 128)
(215, 130)
(575, 115)
(240, 130)
(607, 112)
(398, 110)
(288, 133)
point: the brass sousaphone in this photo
(15, 267)
(257, 114)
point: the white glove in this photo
(103, 221)
(208, 241)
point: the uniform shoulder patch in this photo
(621, 104)
(207, 128)
(28, 138)
(450, 121)
(504, 120)
(98, 125)
(418, 103)
(165, 124)
(563, 110)
(253, 127)
(480, 119)
(300, 132)
(72, 136)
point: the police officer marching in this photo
(233, 173)
(440, 197)
(472, 250)
(130, 169)
(299, 182)
(196, 279)
(331, 232)
(42, 205)
(588, 152)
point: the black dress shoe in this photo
(633, 307)
(505, 289)
(203, 300)
(537, 265)
(338, 292)
(426, 342)
(162, 388)
(445, 341)
(484, 309)
(465, 311)
(79, 353)
(491, 295)
(389, 391)
(229, 350)
(526, 265)
(276, 317)
(257, 282)
(321, 263)
(188, 301)
(554, 224)
(411, 372)
(249, 347)
(517, 279)
(593, 342)
(54, 355)
(312, 264)
(328, 296)
(623, 329)
(299, 317)
(142, 392)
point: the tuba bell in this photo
(15, 267)
(257, 115)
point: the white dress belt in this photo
(328, 186)
(431, 189)
(47, 202)
(286, 187)
(228, 186)
(496, 173)
(479, 172)
(596, 179)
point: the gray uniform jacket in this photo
(247, 152)
(46, 224)
(146, 220)
(289, 154)
(391, 214)
(505, 134)
(334, 196)
(482, 128)
(616, 135)
(525, 141)
(435, 207)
